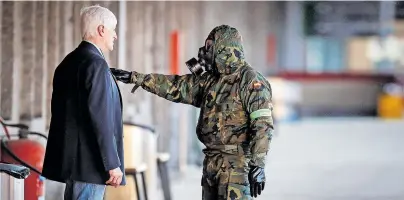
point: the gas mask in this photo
(205, 60)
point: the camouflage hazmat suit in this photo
(235, 122)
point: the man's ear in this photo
(101, 30)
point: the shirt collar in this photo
(96, 47)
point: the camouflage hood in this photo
(228, 49)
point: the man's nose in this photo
(115, 37)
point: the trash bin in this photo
(12, 181)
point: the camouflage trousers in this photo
(225, 178)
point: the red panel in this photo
(174, 48)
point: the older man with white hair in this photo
(85, 145)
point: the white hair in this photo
(94, 16)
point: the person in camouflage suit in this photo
(235, 122)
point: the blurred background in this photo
(336, 69)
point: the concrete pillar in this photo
(172, 143)
(161, 65)
(148, 61)
(130, 109)
(77, 5)
(113, 55)
(17, 62)
(121, 46)
(217, 13)
(61, 31)
(27, 78)
(150, 148)
(255, 21)
(135, 58)
(7, 56)
(261, 20)
(52, 49)
(76, 22)
(65, 29)
(1, 25)
(40, 69)
(293, 38)
(121, 32)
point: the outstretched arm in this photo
(187, 89)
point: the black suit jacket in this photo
(85, 135)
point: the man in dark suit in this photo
(85, 145)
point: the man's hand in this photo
(256, 177)
(115, 177)
(122, 75)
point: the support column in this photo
(77, 6)
(258, 22)
(68, 19)
(293, 40)
(172, 109)
(52, 50)
(161, 65)
(130, 108)
(151, 148)
(7, 38)
(27, 48)
(65, 29)
(62, 31)
(40, 69)
(121, 48)
(122, 29)
(1, 25)
(133, 110)
(113, 55)
(17, 63)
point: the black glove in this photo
(122, 75)
(256, 177)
